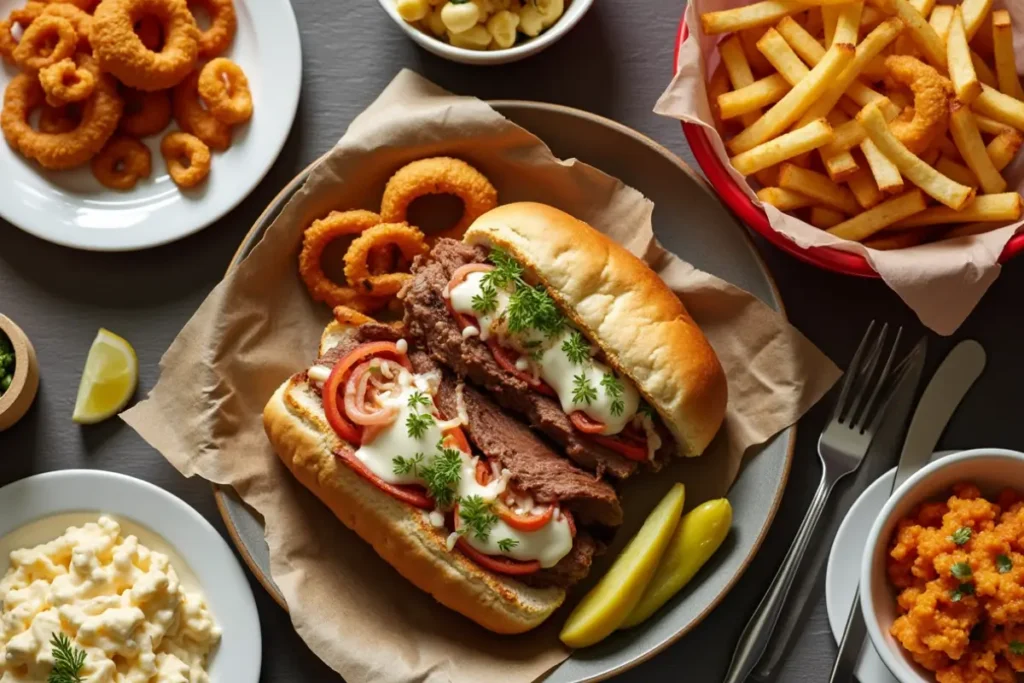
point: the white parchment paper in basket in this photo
(259, 326)
(942, 282)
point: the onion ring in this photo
(22, 18)
(193, 118)
(930, 114)
(223, 24)
(80, 19)
(100, 114)
(224, 90)
(121, 163)
(357, 270)
(59, 119)
(66, 82)
(317, 236)
(187, 157)
(439, 175)
(145, 113)
(84, 5)
(46, 41)
(119, 50)
(150, 33)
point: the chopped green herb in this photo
(613, 387)
(67, 661)
(443, 474)
(528, 307)
(961, 570)
(645, 409)
(487, 300)
(961, 535)
(407, 465)
(477, 517)
(507, 544)
(576, 348)
(506, 269)
(963, 589)
(418, 424)
(1016, 647)
(582, 390)
(1003, 563)
(418, 400)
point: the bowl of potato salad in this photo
(486, 31)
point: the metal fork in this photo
(842, 446)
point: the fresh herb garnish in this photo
(613, 387)
(507, 544)
(418, 424)
(961, 535)
(582, 390)
(487, 300)
(576, 348)
(962, 590)
(534, 349)
(528, 307)
(443, 474)
(645, 409)
(477, 516)
(407, 465)
(1016, 647)
(1003, 563)
(67, 661)
(961, 571)
(418, 399)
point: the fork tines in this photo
(868, 383)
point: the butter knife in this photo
(948, 386)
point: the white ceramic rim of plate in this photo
(276, 92)
(225, 586)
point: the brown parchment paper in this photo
(259, 326)
(942, 282)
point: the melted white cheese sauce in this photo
(547, 545)
(553, 365)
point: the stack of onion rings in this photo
(410, 242)
(321, 233)
(187, 157)
(59, 119)
(47, 40)
(223, 24)
(22, 18)
(121, 163)
(193, 118)
(224, 90)
(66, 82)
(81, 20)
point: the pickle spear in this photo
(604, 608)
(698, 536)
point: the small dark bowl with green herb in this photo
(19, 373)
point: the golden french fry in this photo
(956, 171)
(1006, 206)
(801, 40)
(824, 218)
(958, 56)
(1004, 148)
(901, 240)
(1002, 48)
(920, 31)
(968, 140)
(718, 85)
(758, 94)
(829, 18)
(887, 176)
(784, 200)
(749, 38)
(740, 75)
(939, 20)
(848, 22)
(936, 185)
(870, 18)
(969, 229)
(784, 147)
(818, 187)
(975, 12)
(864, 189)
(768, 177)
(866, 50)
(840, 167)
(793, 105)
(848, 106)
(981, 68)
(946, 146)
(923, 6)
(990, 126)
(1000, 107)
(774, 48)
(878, 218)
(758, 14)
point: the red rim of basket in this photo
(823, 257)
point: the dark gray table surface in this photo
(615, 63)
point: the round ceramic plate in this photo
(73, 209)
(166, 522)
(691, 222)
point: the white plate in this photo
(73, 209)
(220, 577)
(843, 574)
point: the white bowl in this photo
(574, 11)
(991, 469)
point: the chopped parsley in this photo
(961, 535)
(418, 400)
(529, 307)
(418, 424)
(1003, 563)
(407, 465)
(583, 390)
(576, 348)
(507, 544)
(487, 300)
(961, 571)
(68, 660)
(1016, 647)
(613, 387)
(962, 590)
(477, 517)
(443, 474)
(645, 409)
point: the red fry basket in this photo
(823, 257)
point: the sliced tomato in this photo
(507, 360)
(458, 277)
(413, 495)
(459, 437)
(585, 423)
(498, 564)
(483, 473)
(333, 391)
(524, 522)
(626, 447)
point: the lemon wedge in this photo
(108, 380)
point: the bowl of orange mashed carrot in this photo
(942, 581)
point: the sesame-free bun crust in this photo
(401, 534)
(622, 306)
